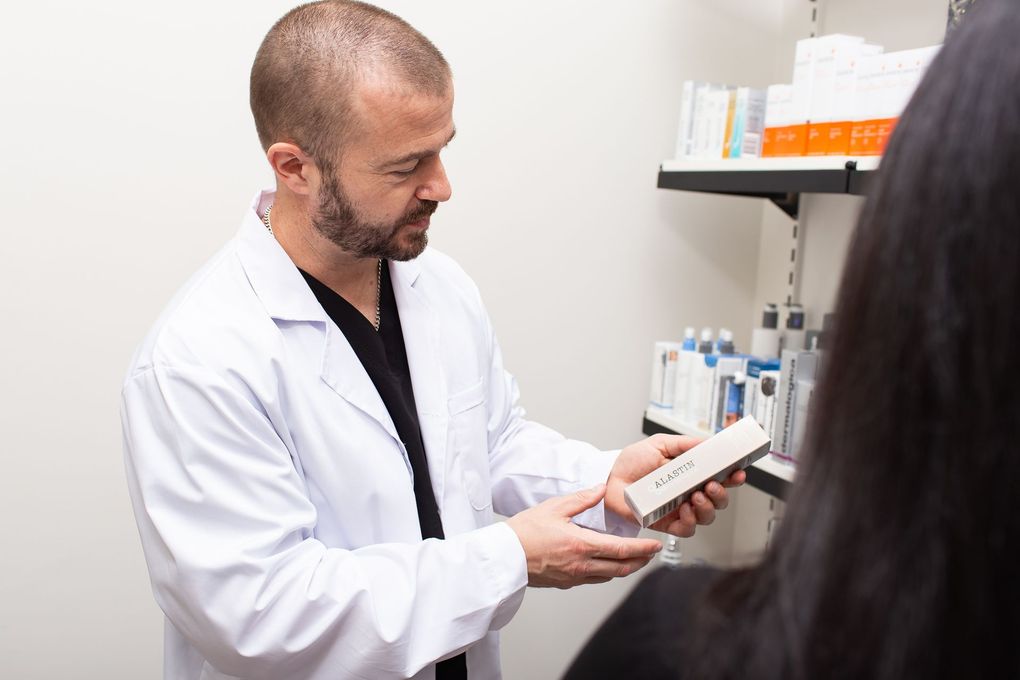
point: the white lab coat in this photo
(273, 496)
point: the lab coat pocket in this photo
(469, 443)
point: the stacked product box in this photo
(884, 85)
(665, 357)
(710, 391)
(703, 391)
(761, 392)
(845, 98)
(779, 137)
(833, 86)
(720, 121)
(796, 385)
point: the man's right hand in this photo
(561, 554)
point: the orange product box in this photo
(884, 129)
(838, 139)
(864, 138)
(768, 143)
(796, 140)
(869, 137)
(818, 139)
(783, 140)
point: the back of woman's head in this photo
(893, 560)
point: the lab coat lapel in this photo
(343, 371)
(420, 326)
(286, 296)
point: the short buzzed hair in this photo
(312, 59)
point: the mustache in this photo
(424, 209)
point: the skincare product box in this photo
(779, 137)
(726, 369)
(885, 83)
(664, 364)
(663, 490)
(761, 392)
(827, 51)
(748, 126)
(795, 367)
(682, 390)
(702, 379)
(685, 135)
(802, 406)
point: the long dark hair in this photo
(894, 558)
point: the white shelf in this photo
(770, 464)
(665, 417)
(864, 163)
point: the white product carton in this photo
(685, 133)
(796, 366)
(663, 490)
(664, 363)
(748, 123)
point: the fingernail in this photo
(699, 498)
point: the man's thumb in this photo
(579, 501)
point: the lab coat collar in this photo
(271, 272)
(275, 279)
(286, 296)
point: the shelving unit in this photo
(780, 180)
(768, 474)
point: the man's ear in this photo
(294, 168)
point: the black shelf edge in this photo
(760, 183)
(756, 477)
(861, 182)
(780, 186)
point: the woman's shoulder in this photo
(643, 638)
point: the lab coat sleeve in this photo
(530, 462)
(228, 532)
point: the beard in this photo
(337, 219)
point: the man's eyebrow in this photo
(417, 155)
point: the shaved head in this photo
(311, 62)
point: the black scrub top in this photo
(384, 357)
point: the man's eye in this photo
(406, 172)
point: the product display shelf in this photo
(781, 180)
(767, 474)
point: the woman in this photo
(894, 558)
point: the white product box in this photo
(682, 392)
(726, 367)
(845, 80)
(664, 362)
(702, 377)
(829, 51)
(685, 134)
(748, 123)
(796, 366)
(802, 406)
(660, 492)
(717, 107)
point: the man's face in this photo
(389, 180)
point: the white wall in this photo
(130, 155)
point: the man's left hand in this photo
(637, 460)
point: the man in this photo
(319, 428)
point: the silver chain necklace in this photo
(378, 269)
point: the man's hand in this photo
(637, 460)
(561, 554)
